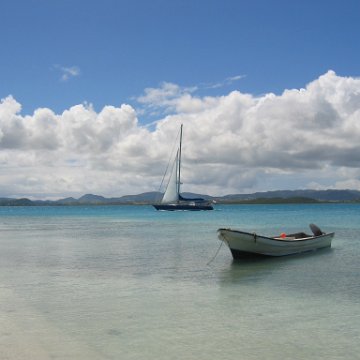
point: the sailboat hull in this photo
(183, 207)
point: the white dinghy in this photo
(243, 243)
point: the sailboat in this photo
(172, 199)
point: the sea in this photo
(133, 283)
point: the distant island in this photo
(268, 197)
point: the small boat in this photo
(172, 199)
(243, 243)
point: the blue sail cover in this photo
(192, 199)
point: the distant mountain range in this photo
(279, 196)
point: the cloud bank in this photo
(236, 143)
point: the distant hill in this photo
(280, 196)
(67, 201)
(92, 199)
(147, 197)
(320, 195)
(15, 202)
(273, 200)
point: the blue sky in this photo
(119, 48)
(92, 94)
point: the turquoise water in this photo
(128, 282)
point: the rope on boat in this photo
(213, 258)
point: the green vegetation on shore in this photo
(276, 200)
(267, 197)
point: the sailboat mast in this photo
(181, 132)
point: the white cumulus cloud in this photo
(303, 138)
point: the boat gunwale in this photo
(277, 238)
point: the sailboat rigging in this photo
(172, 199)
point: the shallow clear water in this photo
(128, 282)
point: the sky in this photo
(92, 95)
